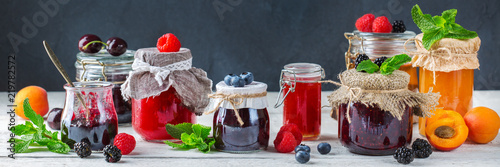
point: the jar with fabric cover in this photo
(102, 66)
(165, 89)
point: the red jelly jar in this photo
(150, 115)
(252, 133)
(373, 131)
(96, 121)
(301, 93)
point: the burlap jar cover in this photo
(154, 72)
(446, 54)
(388, 92)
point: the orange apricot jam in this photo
(455, 87)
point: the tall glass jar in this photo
(376, 45)
(102, 66)
(252, 133)
(96, 121)
(301, 97)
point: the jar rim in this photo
(406, 34)
(89, 85)
(303, 67)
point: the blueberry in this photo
(302, 157)
(237, 81)
(227, 79)
(248, 77)
(324, 148)
(302, 147)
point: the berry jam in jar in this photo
(102, 66)
(247, 131)
(373, 131)
(96, 121)
(301, 93)
(150, 115)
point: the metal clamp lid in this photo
(284, 82)
(97, 62)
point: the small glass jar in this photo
(373, 131)
(150, 115)
(96, 121)
(102, 66)
(301, 93)
(376, 45)
(253, 134)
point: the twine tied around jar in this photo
(462, 55)
(234, 100)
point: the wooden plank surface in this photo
(158, 154)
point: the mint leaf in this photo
(367, 66)
(201, 131)
(449, 15)
(432, 37)
(54, 135)
(21, 129)
(423, 21)
(189, 139)
(23, 144)
(58, 146)
(29, 113)
(439, 21)
(393, 63)
(43, 141)
(175, 145)
(458, 32)
(174, 131)
(185, 127)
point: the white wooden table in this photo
(158, 154)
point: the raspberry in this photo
(168, 43)
(365, 22)
(294, 129)
(124, 142)
(382, 25)
(285, 142)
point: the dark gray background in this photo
(257, 36)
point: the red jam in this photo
(373, 131)
(303, 108)
(231, 136)
(150, 115)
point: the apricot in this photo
(483, 124)
(446, 130)
(37, 97)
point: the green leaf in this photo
(21, 129)
(173, 131)
(458, 32)
(55, 135)
(367, 66)
(23, 144)
(175, 145)
(58, 147)
(185, 127)
(449, 15)
(430, 38)
(189, 139)
(393, 63)
(203, 147)
(29, 113)
(201, 131)
(43, 141)
(439, 21)
(423, 21)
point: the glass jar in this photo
(102, 66)
(455, 87)
(232, 136)
(376, 45)
(96, 121)
(301, 93)
(373, 131)
(150, 115)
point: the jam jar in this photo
(102, 66)
(376, 45)
(301, 97)
(246, 127)
(95, 121)
(373, 131)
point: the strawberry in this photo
(382, 25)
(124, 142)
(294, 129)
(168, 43)
(285, 143)
(364, 23)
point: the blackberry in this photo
(112, 153)
(359, 59)
(398, 26)
(422, 148)
(82, 149)
(404, 155)
(380, 60)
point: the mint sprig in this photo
(387, 67)
(191, 135)
(439, 27)
(36, 133)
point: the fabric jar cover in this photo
(154, 72)
(250, 89)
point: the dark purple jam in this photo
(99, 134)
(123, 108)
(373, 131)
(230, 136)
